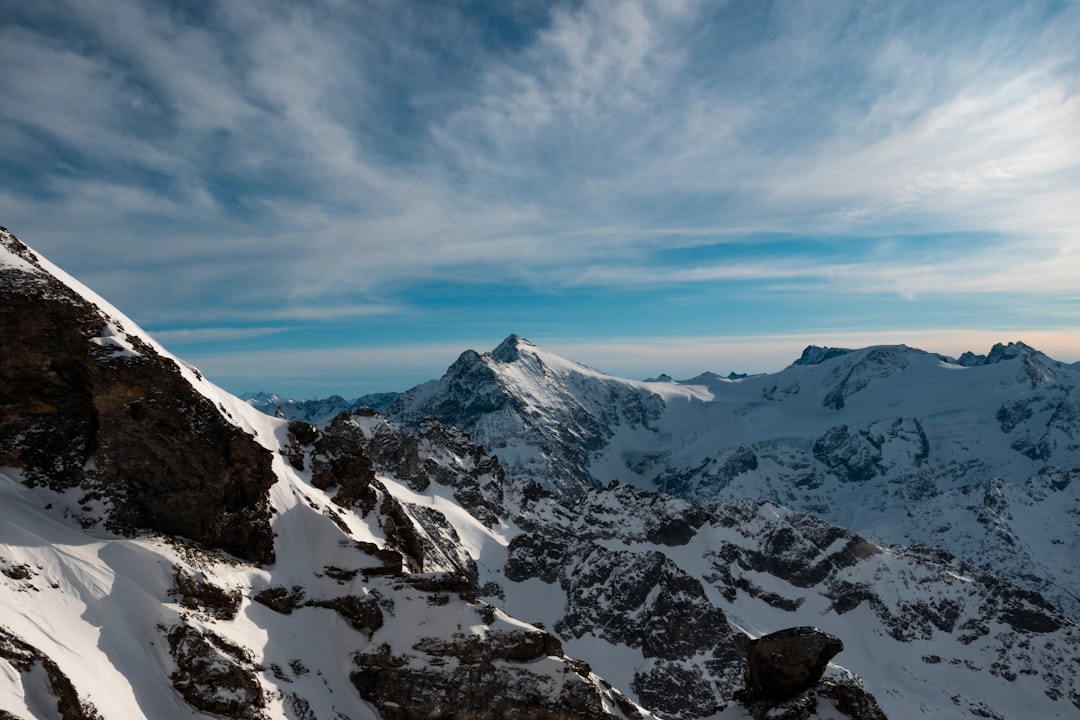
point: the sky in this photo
(341, 197)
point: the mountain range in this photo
(979, 455)
(526, 537)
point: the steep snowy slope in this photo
(903, 446)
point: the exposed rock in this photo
(785, 663)
(481, 678)
(339, 460)
(852, 700)
(301, 434)
(214, 675)
(27, 659)
(824, 700)
(86, 403)
(814, 355)
(281, 599)
(362, 613)
(198, 594)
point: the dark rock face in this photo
(85, 404)
(636, 598)
(824, 700)
(501, 670)
(856, 454)
(436, 453)
(787, 662)
(712, 476)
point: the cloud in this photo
(280, 162)
(188, 336)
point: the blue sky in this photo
(341, 196)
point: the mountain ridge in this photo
(903, 445)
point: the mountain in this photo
(318, 411)
(979, 456)
(166, 550)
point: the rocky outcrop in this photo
(787, 662)
(814, 355)
(340, 462)
(215, 675)
(196, 593)
(85, 403)
(784, 680)
(31, 663)
(490, 667)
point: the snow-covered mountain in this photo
(163, 554)
(318, 412)
(167, 550)
(979, 456)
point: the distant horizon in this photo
(604, 355)
(341, 197)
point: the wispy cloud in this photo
(277, 162)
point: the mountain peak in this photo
(509, 349)
(1006, 352)
(814, 355)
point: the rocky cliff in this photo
(89, 403)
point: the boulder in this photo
(787, 662)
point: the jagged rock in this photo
(362, 613)
(822, 701)
(481, 678)
(784, 663)
(86, 403)
(814, 355)
(339, 460)
(215, 675)
(301, 434)
(852, 700)
(198, 594)
(281, 599)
